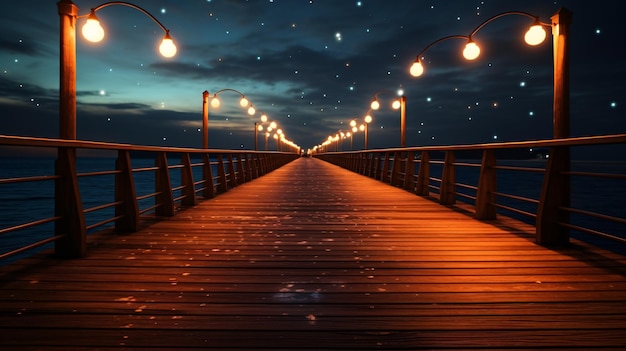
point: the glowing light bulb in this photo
(417, 69)
(215, 102)
(395, 104)
(167, 48)
(251, 110)
(244, 102)
(535, 35)
(375, 105)
(471, 51)
(92, 30)
(263, 118)
(368, 119)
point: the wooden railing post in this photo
(189, 188)
(231, 171)
(125, 193)
(423, 175)
(164, 198)
(249, 159)
(447, 194)
(261, 164)
(207, 174)
(485, 194)
(409, 171)
(221, 171)
(241, 177)
(68, 205)
(555, 195)
(367, 164)
(396, 169)
(384, 177)
(374, 169)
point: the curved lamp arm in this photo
(521, 13)
(375, 105)
(94, 32)
(123, 3)
(417, 68)
(244, 102)
(535, 35)
(229, 89)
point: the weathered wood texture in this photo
(314, 257)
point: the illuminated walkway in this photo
(314, 257)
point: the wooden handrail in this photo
(234, 167)
(553, 206)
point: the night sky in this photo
(311, 66)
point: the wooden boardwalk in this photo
(314, 257)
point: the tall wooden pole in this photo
(256, 137)
(67, 62)
(366, 137)
(555, 193)
(561, 22)
(205, 119)
(402, 121)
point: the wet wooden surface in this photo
(314, 257)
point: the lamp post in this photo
(354, 130)
(368, 119)
(67, 204)
(555, 194)
(279, 137)
(400, 103)
(258, 127)
(215, 103)
(561, 22)
(68, 13)
(276, 139)
(363, 128)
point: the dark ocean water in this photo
(25, 202)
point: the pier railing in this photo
(176, 177)
(534, 181)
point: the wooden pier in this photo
(314, 257)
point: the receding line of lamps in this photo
(399, 103)
(536, 34)
(288, 144)
(215, 103)
(92, 31)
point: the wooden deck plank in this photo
(314, 257)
